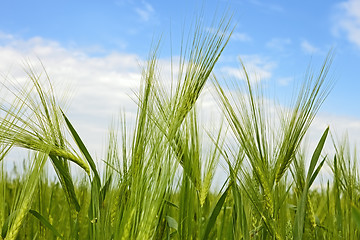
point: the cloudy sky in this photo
(96, 48)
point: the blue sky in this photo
(97, 47)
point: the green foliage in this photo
(156, 180)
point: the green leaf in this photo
(239, 209)
(316, 172)
(7, 222)
(301, 205)
(300, 216)
(45, 222)
(356, 215)
(105, 189)
(215, 214)
(172, 222)
(316, 154)
(66, 181)
(82, 148)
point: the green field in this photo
(157, 178)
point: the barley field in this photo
(157, 179)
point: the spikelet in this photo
(127, 228)
(266, 191)
(310, 223)
(114, 210)
(19, 219)
(26, 197)
(205, 188)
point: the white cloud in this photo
(279, 44)
(258, 67)
(347, 19)
(5, 36)
(100, 86)
(339, 127)
(145, 12)
(267, 6)
(243, 37)
(284, 81)
(308, 48)
(121, 3)
(235, 36)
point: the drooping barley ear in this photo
(68, 155)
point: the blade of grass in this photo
(212, 219)
(356, 215)
(45, 222)
(83, 149)
(301, 206)
(66, 181)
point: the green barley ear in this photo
(25, 198)
(269, 153)
(247, 118)
(313, 93)
(211, 164)
(345, 193)
(205, 188)
(197, 61)
(34, 122)
(195, 68)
